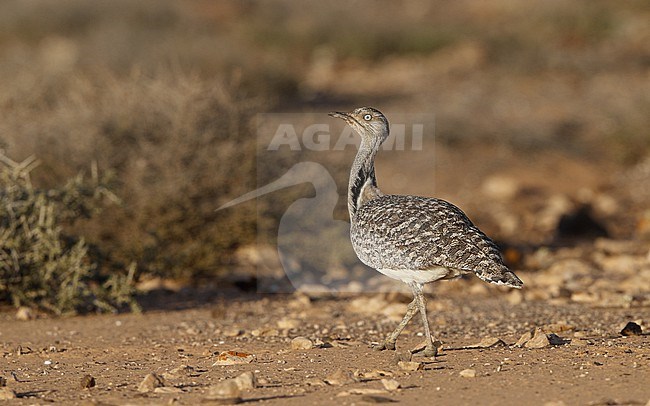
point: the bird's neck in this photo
(363, 183)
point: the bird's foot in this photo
(427, 348)
(384, 345)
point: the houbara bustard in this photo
(415, 239)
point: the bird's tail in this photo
(504, 278)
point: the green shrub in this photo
(41, 266)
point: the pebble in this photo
(410, 365)
(339, 378)
(226, 393)
(150, 382)
(245, 381)
(167, 389)
(555, 339)
(468, 373)
(489, 342)
(390, 384)
(631, 329)
(88, 381)
(533, 339)
(25, 313)
(539, 340)
(301, 343)
(6, 393)
(233, 358)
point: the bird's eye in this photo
(367, 117)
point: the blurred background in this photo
(141, 118)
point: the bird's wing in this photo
(419, 233)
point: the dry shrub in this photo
(40, 265)
(178, 146)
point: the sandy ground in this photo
(588, 363)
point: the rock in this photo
(340, 378)
(88, 381)
(301, 343)
(226, 392)
(468, 373)
(410, 365)
(233, 358)
(6, 393)
(489, 342)
(361, 391)
(390, 384)
(25, 313)
(524, 339)
(533, 339)
(3, 381)
(167, 389)
(555, 339)
(538, 340)
(631, 329)
(245, 381)
(182, 370)
(150, 382)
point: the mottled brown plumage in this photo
(414, 239)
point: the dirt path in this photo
(45, 360)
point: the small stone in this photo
(245, 381)
(3, 381)
(631, 329)
(468, 373)
(233, 358)
(539, 340)
(226, 392)
(555, 403)
(6, 393)
(88, 381)
(25, 313)
(555, 339)
(167, 389)
(182, 370)
(524, 339)
(301, 343)
(390, 384)
(489, 342)
(410, 365)
(340, 378)
(150, 382)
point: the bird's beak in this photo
(338, 114)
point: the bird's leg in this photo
(389, 343)
(430, 350)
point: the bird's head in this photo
(366, 121)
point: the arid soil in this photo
(587, 362)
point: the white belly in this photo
(420, 276)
